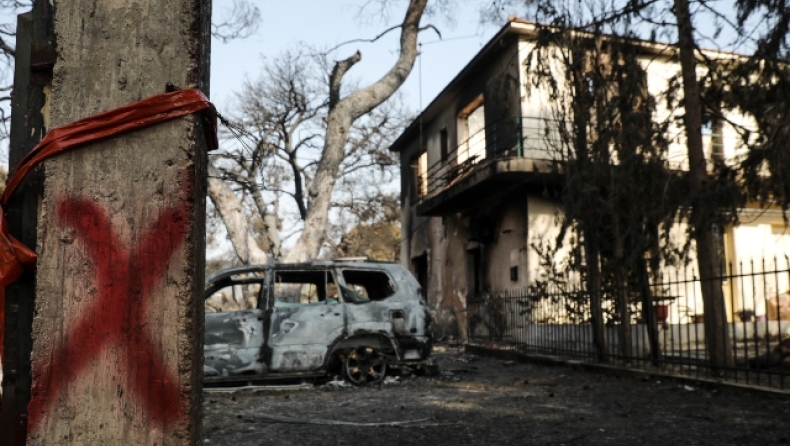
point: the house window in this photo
(419, 176)
(717, 140)
(473, 126)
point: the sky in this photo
(324, 24)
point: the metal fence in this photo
(559, 322)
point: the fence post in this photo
(117, 336)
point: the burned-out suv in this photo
(312, 320)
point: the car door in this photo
(306, 318)
(234, 333)
(372, 305)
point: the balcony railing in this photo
(514, 137)
(539, 139)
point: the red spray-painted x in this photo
(125, 281)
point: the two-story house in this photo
(476, 165)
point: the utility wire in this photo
(433, 42)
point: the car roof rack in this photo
(353, 259)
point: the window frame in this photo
(346, 287)
(328, 273)
(418, 167)
(232, 281)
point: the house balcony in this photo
(506, 154)
(521, 151)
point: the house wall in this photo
(444, 240)
(497, 230)
(544, 228)
(537, 116)
(761, 243)
(755, 253)
(508, 246)
(523, 221)
(510, 225)
(662, 72)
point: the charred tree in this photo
(717, 339)
(343, 111)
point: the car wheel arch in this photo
(375, 340)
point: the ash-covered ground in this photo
(485, 401)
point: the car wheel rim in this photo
(365, 365)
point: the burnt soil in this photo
(486, 401)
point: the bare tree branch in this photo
(231, 210)
(240, 21)
(336, 78)
(348, 42)
(339, 120)
(7, 49)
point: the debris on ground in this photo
(337, 384)
(446, 375)
(320, 421)
(527, 404)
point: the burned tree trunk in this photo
(231, 210)
(594, 288)
(717, 337)
(583, 166)
(621, 291)
(342, 113)
(648, 311)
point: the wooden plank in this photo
(117, 335)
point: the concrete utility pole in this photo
(117, 333)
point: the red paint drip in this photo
(125, 280)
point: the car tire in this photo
(364, 366)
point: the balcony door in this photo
(473, 123)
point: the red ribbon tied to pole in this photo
(15, 257)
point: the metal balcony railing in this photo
(514, 137)
(539, 138)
